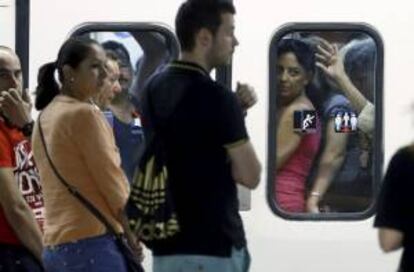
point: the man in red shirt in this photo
(21, 201)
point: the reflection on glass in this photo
(325, 121)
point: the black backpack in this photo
(151, 209)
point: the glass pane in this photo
(133, 56)
(325, 84)
(140, 54)
(7, 23)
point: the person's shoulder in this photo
(83, 109)
(338, 99)
(405, 153)
(79, 113)
(154, 80)
(300, 105)
(402, 161)
(216, 88)
(334, 104)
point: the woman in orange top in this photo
(81, 146)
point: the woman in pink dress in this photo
(296, 148)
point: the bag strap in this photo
(88, 205)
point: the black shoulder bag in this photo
(132, 263)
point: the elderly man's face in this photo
(10, 71)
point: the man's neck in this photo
(195, 58)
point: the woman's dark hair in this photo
(303, 52)
(196, 14)
(71, 53)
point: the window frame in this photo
(22, 38)
(162, 29)
(377, 144)
(223, 73)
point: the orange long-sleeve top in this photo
(82, 146)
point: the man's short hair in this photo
(196, 14)
(6, 48)
(111, 55)
(119, 50)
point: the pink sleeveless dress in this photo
(289, 189)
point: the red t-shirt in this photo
(16, 153)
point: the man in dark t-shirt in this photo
(395, 215)
(207, 147)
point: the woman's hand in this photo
(312, 204)
(330, 61)
(132, 239)
(137, 248)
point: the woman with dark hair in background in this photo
(295, 149)
(82, 148)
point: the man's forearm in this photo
(26, 229)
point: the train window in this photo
(7, 18)
(135, 51)
(14, 19)
(140, 48)
(325, 121)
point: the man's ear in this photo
(204, 37)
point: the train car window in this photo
(142, 49)
(14, 22)
(325, 121)
(7, 18)
(134, 53)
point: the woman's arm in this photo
(392, 216)
(287, 139)
(332, 64)
(95, 140)
(331, 160)
(390, 239)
